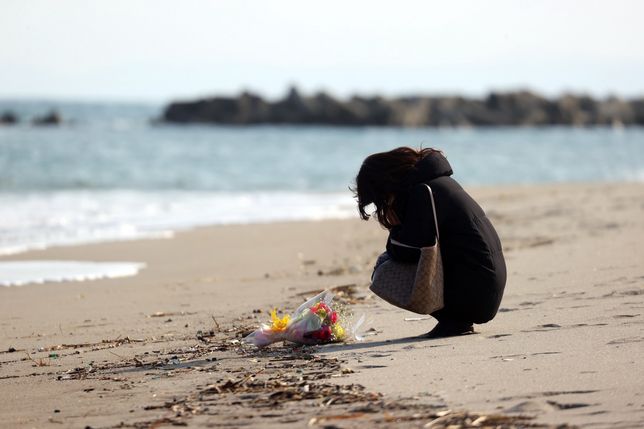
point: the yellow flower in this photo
(279, 324)
(338, 331)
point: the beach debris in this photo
(217, 327)
(465, 419)
(78, 373)
(274, 388)
(347, 294)
(39, 362)
(280, 385)
(171, 313)
(203, 336)
(370, 332)
(103, 344)
(350, 294)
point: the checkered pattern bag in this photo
(414, 287)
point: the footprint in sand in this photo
(568, 406)
(540, 406)
(625, 341)
(530, 303)
(533, 406)
(545, 353)
(624, 293)
(499, 336)
(544, 327)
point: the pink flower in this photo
(333, 317)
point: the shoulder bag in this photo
(414, 287)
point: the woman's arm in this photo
(416, 229)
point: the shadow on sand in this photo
(373, 344)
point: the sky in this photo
(159, 50)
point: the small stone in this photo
(11, 350)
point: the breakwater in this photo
(520, 108)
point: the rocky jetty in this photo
(521, 108)
(8, 118)
(51, 118)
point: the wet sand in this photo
(162, 348)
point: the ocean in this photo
(112, 173)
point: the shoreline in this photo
(169, 233)
(563, 347)
(42, 220)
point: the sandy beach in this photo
(162, 348)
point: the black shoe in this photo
(450, 329)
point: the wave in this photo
(20, 273)
(43, 219)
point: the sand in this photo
(161, 348)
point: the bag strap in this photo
(431, 197)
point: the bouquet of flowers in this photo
(314, 322)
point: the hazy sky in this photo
(157, 49)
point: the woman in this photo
(473, 263)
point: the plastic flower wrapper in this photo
(317, 321)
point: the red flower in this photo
(322, 334)
(333, 317)
(325, 333)
(320, 306)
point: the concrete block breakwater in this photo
(521, 108)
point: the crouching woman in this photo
(473, 264)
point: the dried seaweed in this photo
(242, 386)
(103, 344)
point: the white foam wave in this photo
(41, 220)
(20, 273)
(636, 176)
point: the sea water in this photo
(111, 172)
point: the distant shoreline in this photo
(520, 108)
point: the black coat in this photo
(473, 262)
